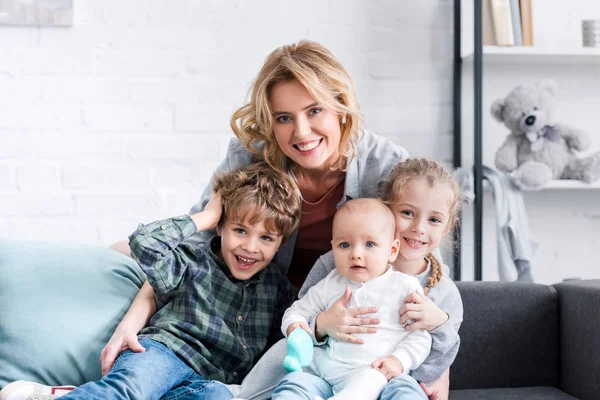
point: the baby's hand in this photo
(298, 325)
(389, 366)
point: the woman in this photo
(303, 118)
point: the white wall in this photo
(565, 223)
(123, 117)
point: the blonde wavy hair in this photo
(326, 80)
(256, 193)
(437, 176)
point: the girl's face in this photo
(308, 133)
(422, 214)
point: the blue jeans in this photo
(156, 373)
(305, 386)
(302, 385)
(403, 387)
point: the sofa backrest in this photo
(509, 336)
(59, 305)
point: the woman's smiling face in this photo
(308, 133)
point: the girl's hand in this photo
(425, 314)
(440, 389)
(389, 366)
(295, 325)
(120, 341)
(341, 323)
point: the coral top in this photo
(314, 235)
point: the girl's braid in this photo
(436, 273)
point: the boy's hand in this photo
(425, 314)
(389, 366)
(119, 342)
(298, 325)
(209, 217)
(340, 322)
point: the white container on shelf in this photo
(590, 31)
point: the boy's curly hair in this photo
(256, 193)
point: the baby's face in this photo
(363, 245)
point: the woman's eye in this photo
(370, 244)
(283, 119)
(435, 220)
(315, 111)
(407, 212)
(344, 245)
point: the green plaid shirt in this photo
(217, 324)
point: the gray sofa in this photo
(528, 341)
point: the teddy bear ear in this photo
(497, 108)
(548, 85)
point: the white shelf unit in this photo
(536, 55)
(576, 70)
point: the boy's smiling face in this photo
(247, 249)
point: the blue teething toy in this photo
(299, 349)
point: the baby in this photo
(364, 247)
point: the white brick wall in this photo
(123, 117)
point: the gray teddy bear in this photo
(538, 149)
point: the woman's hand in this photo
(341, 323)
(120, 341)
(425, 314)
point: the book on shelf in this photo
(502, 21)
(488, 35)
(515, 17)
(526, 22)
(507, 22)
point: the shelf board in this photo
(571, 184)
(536, 55)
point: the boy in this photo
(217, 305)
(363, 248)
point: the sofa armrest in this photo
(509, 336)
(579, 337)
